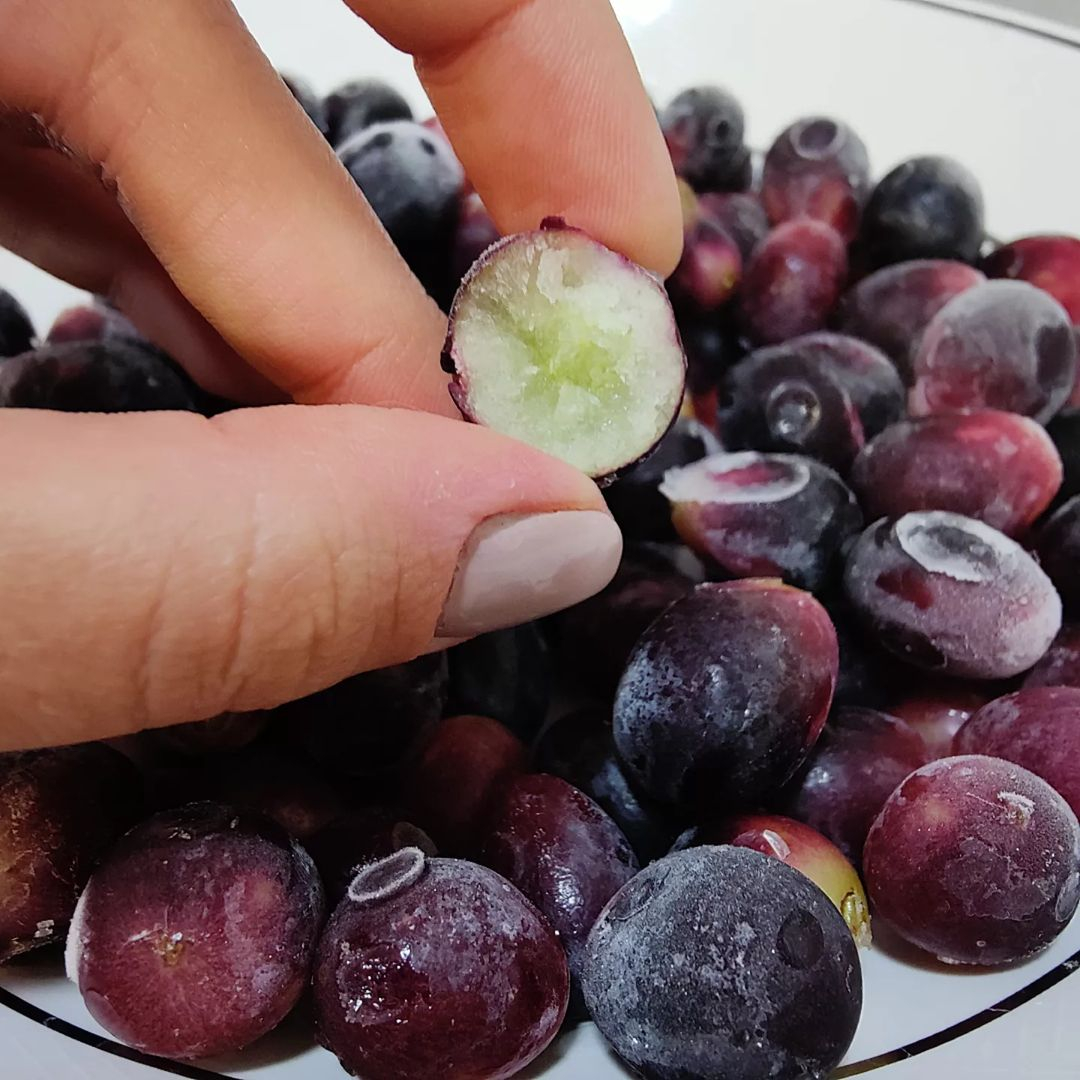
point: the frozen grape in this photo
(1061, 664)
(818, 168)
(196, 935)
(1003, 345)
(952, 595)
(893, 307)
(860, 759)
(803, 849)
(359, 104)
(764, 515)
(726, 693)
(221, 735)
(868, 675)
(740, 215)
(793, 282)
(568, 347)
(998, 467)
(1038, 729)
(704, 129)
(476, 232)
(712, 349)
(709, 271)
(16, 330)
(926, 208)
(433, 969)
(975, 860)
(462, 766)
(59, 812)
(938, 710)
(562, 851)
(1050, 262)
(1064, 429)
(92, 322)
(1059, 550)
(719, 963)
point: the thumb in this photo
(160, 568)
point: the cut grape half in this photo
(567, 346)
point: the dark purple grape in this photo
(196, 935)
(976, 861)
(949, 594)
(475, 233)
(712, 349)
(938, 710)
(725, 694)
(580, 748)
(893, 307)
(818, 168)
(1061, 665)
(372, 723)
(221, 735)
(860, 759)
(740, 215)
(764, 515)
(434, 969)
(704, 129)
(108, 376)
(309, 101)
(926, 208)
(358, 105)
(96, 322)
(1064, 429)
(1003, 345)
(1050, 262)
(1059, 550)
(462, 767)
(709, 271)
(868, 676)
(505, 675)
(59, 812)
(16, 330)
(562, 851)
(719, 963)
(635, 500)
(1038, 729)
(823, 395)
(793, 282)
(994, 466)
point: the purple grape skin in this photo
(765, 515)
(210, 915)
(860, 759)
(892, 307)
(1059, 551)
(793, 282)
(60, 809)
(1002, 345)
(823, 395)
(709, 271)
(719, 963)
(562, 851)
(455, 976)
(939, 709)
(1064, 429)
(817, 168)
(975, 860)
(358, 105)
(998, 467)
(949, 594)
(704, 128)
(1061, 665)
(1050, 262)
(17, 333)
(740, 215)
(725, 694)
(1038, 729)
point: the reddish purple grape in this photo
(860, 759)
(709, 271)
(17, 333)
(60, 810)
(726, 693)
(793, 282)
(1052, 263)
(92, 322)
(1061, 665)
(764, 515)
(434, 969)
(196, 935)
(976, 861)
(893, 307)
(818, 168)
(938, 710)
(952, 595)
(823, 395)
(1003, 345)
(562, 851)
(221, 735)
(462, 766)
(740, 215)
(998, 467)
(476, 232)
(1059, 550)
(719, 963)
(1038, 729)
(704, 129)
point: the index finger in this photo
(544, 105)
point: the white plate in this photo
(992, 88)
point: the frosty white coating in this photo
(705, 480)
(922, 537)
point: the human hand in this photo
(159, 568)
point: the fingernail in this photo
(521, 567)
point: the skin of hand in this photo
(162, 568)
